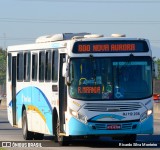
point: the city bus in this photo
(75, 85)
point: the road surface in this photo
(10, 134)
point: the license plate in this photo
(113, 127)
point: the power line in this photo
(100, 1)
(68, 21)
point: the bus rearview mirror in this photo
(64, 70)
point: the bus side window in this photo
(55, 65)
(34, 66)
(27, 62)
(41, 66)
(48, 66)
(9, 66)
(20, 67)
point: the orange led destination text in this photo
(106, 47)
(123, 47)
(89, 90)
(84, 48)
(101, 48)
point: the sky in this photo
(22, 21)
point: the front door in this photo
(14, 64)
(62, 94)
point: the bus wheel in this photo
(62, 140)
(27, 135)
(130, 138)
(38, 136)
(91, 137)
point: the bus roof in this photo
(62, 41)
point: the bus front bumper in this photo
(77, 128)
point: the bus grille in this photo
(116, 107)
(124, 126)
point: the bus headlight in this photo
(79, 116)
(74, 113)
(146, 114)
(149, 112)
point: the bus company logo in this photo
(6, 144)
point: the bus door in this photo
(62, 94)
(13, 88)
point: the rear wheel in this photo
(38, 136)
(27, 135)
(92, 137)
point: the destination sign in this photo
(110, 46)
(89, 90)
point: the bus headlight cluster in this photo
(78, 116)
(146, 114)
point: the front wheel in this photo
(62, 140)
(27, 135)
(130, 138)
(38, 136)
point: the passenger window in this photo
(55, 65)
(48, 65)
(41, 65)
(34, 66)
(27, 62)
(20, 67)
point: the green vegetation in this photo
(3, 57)
(156, 82)
(3, 148)
(158, 62)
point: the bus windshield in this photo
(110, 78)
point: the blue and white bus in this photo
(73, 85)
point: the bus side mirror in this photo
(65, 70)
(65, 73)
(155, 70)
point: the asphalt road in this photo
(8, 133)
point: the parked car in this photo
(156, 97)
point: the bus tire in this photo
(62, 140)
(91, 137)
(27, 135)
(130, 138)
(55, 126)
(38, 136)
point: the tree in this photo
(3, 56)
(156, 82)
(158, 62)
